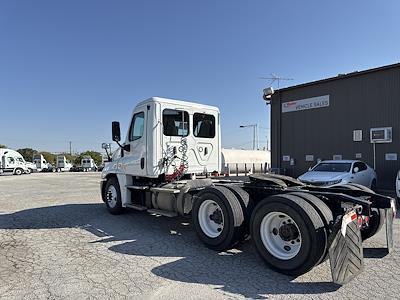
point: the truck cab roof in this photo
(177, 102)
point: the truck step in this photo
(137, 187)
(164, 190)
(162, 212)
(136, 206)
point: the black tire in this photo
(376, 221)
(28, 171)
(232, 214)
(247, 206)
(324, 212)
(377, 217)
(117, 208)
(18, 171)
(373, 185)
(310, 225)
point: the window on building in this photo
(203, 125)
(175, 122)
(137, 127)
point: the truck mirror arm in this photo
(126, 147)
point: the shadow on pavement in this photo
(375, 252)
(239, 271)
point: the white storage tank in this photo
(238, 161)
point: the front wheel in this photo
(18, 171)
(112, 196)
(289, 234)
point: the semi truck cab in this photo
(165, 135)
(13, 162)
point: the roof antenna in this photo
(273, 77)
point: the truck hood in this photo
(313, 176)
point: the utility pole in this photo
(70, 148)
(255, 135)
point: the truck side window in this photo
(137, 127)
(175, 122)
(11, 160)
(203, 125)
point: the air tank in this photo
(238, 161)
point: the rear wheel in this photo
(28, 171)
(373, 185)
(112, 196)
(288, 233)
(217, 218)
(247, 207)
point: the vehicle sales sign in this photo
(303, 104)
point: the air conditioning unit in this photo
(381, 135)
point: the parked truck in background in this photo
(164, 167)
(62, 164)
(13, 162)
(88, 164)
(41, 164)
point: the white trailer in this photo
(294, 226)
(88, 164)
(12, 162)
(62, 164)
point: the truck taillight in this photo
(360, 221)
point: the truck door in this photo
(206, 140)
(175, 127)
(134, 160)
(10, 162)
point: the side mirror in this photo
(356, 169)
(116, 132)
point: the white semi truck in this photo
(41, 164)
(13, 162)
(164, 167)
(88, 164)
(62, 164)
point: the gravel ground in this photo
(58, 241)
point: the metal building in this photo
(351, 116)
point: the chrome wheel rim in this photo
(211, 218)
(112, 196)
(280, 235)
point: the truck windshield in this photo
(332, 167)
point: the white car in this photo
(332, 172)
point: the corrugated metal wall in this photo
(362, 101)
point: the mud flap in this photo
(345, 252)
(389, 229)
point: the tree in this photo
(49, 157)
(3, 146)
(69, 157)
(93, 154)
(27, 153)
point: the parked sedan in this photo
(331, 172)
